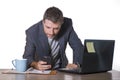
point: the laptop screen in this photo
(98, 55)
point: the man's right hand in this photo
(40, 65)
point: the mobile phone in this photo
(47, 59)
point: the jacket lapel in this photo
(43, 40)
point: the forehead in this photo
(49, 23)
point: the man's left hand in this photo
(71, 66)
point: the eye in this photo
(56, 28)
(47, 27)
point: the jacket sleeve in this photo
(76, 45)
(29, 49)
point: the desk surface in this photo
(111, 75)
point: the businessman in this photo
(46, 42)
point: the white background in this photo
(93, 19)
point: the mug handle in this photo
(13, 62)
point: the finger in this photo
(68, 66)
(42, 62)
(71, 66)
(44, 67)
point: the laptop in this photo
(97, 57)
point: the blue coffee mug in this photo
(20, 64)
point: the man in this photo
(48, 38)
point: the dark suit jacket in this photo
(37, 43)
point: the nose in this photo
(51, 32)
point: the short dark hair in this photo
(53, 14)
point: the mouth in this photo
(50, 36)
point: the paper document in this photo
(30, 71)
(35, 71)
